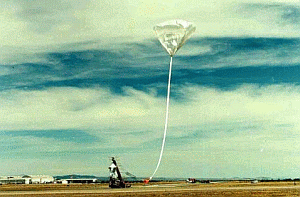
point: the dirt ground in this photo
(238, 189)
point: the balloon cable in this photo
(166, 121)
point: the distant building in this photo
(83, 180)
(41, 179)
(14, 180)
(26, 179)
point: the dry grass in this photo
(181, 189)
(47, 187)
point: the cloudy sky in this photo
(84, 80)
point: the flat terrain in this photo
(238, 189)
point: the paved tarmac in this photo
(173, 190)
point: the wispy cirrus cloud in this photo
(81, 80)
(90, 108)
(32, 29)
(236, 125)
(43, 23)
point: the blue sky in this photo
(81, 81)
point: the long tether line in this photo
(167, 116)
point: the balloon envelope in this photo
(173, 34)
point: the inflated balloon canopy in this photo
(173, 34)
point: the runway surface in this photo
(173, 189)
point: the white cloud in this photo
(30, 27)
(224, 120)
(43, 23)
(248, 131)
(89, 109)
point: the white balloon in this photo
(173, 34)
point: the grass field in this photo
(238, 189)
